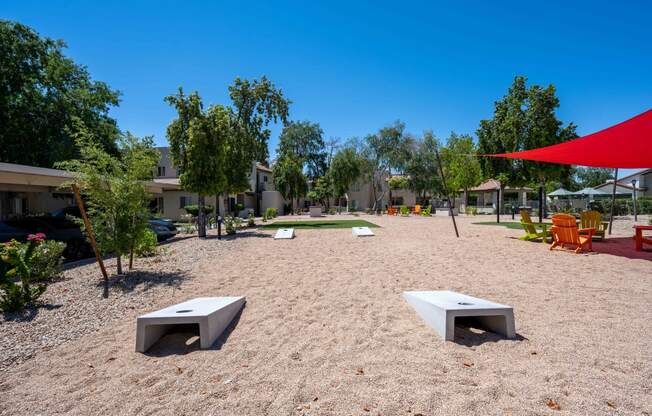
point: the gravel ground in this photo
(325, 330)
(73, 306)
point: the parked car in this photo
(58, 229)
(163, 228)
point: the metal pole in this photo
(450, 203)
(498, 205)
(613, 200)
(634, 199)
(91, 237)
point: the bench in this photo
(212, 315)
(439, 309)
(639, 238)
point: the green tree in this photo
(256, 104)
(590, 177)
(345, 169)
(422, 168)
(116, 198)
(41, 92)
(289, 178)
(198, 141)
(386, 153)
(305, 140)
(322, 191)
(461, 165)
(523, 119)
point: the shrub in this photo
(250, 219)
(238, 208)
(47, 260)
(24, 270)
(231, 224)
(271, 213)
(147, 245)
(194, 209)
(471, 211)
(332, 211)
(426, 211)
(264, 218)
(404, 211)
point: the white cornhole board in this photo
(212, 314)
(315, 211)
(284, 234)
(440, 308)
(362, 231)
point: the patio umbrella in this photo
(590, 192)
(561, 192)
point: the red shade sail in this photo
(625, 145)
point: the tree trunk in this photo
(119, 263)
(201, 226)
(540, 203)
(131, 258)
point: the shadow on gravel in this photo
(131, 280)
(470, 334)
(30, 313)
(185, 339)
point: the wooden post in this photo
(450, 203)
(91, 237)
(613, 199)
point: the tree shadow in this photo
(622, 247)
(185, 339)
(28, 314)
(131, 280)
(469, 333)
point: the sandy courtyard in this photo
(326, 331)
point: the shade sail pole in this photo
(613, 200)
(450, 203)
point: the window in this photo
(161, 171)
(264, 178)
(355, 187)
(184, 201)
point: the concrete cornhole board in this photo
(440, 308)
(284, 234)
(212, 315)
(362, 232)
(315, 211)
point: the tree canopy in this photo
(460, 163)
(289, 179)
(523, 119)
(41, 92)
(304, 140)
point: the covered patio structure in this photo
(484, 197)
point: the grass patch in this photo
(512, 225)
(319, 225)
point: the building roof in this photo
(263, 168)
(494, 185)
(14, 174)
(626, 181)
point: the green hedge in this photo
(194, 209)
(623, 206)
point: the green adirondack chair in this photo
(531, 232)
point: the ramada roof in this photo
(494, 185)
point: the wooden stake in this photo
(450, 203)
(91, 237)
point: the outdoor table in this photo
(640, 240)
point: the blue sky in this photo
(354, 67)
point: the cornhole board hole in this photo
(362, 232)
(212, 315)
(439, 309)
(284, 234)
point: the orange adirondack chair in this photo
(391, 211)
(564, 231)
(416, 210)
